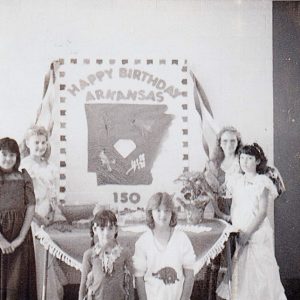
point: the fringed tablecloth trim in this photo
(215, 249)
(55, 250)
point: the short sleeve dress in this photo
(255, 270)
(98, 285)
(17, 270)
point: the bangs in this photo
(160, 199)
(166, 204)
(9, 145)
(36, 131)
(105, 218)
(250, 150)
(105, 223)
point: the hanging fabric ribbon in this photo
(44, 115)
(208, 125)
(45, 112)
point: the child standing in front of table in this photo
(164, 257)
(17, 204)
(106, 267)
(255, 270)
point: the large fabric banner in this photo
(122, 130)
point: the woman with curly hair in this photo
(223, 164)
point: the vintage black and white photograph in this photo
(149, 150)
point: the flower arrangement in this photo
(196, 191)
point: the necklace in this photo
(108, 254)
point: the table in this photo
(68, 247)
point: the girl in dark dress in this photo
(17, 204)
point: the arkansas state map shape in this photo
(141, 127)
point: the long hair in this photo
(256, 151)
(218, 154)
(103, 218)
(262, 168)
(36, 130)
(154, 202)
(11, 145)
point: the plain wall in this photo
(228, 45)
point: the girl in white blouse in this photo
(164, 257)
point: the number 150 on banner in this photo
(125, 197)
